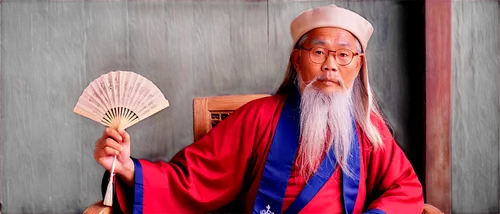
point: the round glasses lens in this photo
(318, 55)
(343, 56)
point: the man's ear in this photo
(361, 62)
(295, 58)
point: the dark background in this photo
(51, 51)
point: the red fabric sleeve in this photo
(205, 175)
(392, 183)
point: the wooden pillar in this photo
(438, 103)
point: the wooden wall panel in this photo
(475, 106)
(438, 106)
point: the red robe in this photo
(223, 170)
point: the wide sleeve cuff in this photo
(130, 199)
(138, 190)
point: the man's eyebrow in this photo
(318, 42)
(323, 42)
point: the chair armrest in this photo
(98, 208)
(429, 209)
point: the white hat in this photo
(329, 16)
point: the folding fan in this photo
(119, 99)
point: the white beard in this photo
(325, 121)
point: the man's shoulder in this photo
(378, 121)
(270, 102)
(258, 112)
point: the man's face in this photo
(329, 71)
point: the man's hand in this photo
(117, 143)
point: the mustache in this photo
(334, 78)
(325, 77)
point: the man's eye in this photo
(319, 52)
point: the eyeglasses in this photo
(319, 55)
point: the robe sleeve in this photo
(203, 176)
(392, 184)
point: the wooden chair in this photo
(207, 113)
(98, 208)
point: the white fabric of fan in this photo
(120, 99)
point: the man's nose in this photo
(330, 63)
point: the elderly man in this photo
(318, 146)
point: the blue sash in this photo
(280, 160)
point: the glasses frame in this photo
(334, 55)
